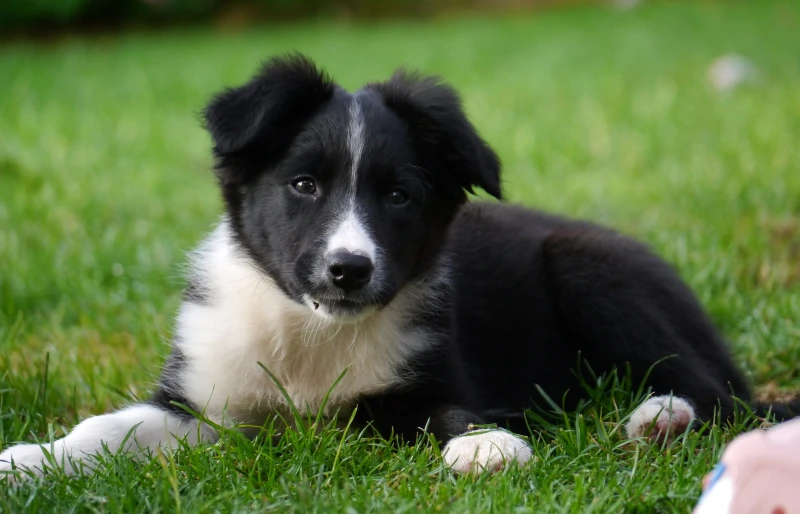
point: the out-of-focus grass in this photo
(105, 182)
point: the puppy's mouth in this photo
(341, 308)
(339, 304)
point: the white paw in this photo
(27, 457)
(481, 450)
(660, 418)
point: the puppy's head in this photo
(344, 198)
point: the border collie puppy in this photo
(347, 251)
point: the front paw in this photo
(479, 450)
(17, 460)
(660, 419)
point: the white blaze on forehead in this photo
(351, 233)
(355, 142)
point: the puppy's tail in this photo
(781, 411)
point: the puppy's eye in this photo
(305, 186)
(397, 197)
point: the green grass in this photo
(105, 182)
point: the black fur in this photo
(528, 292)
(196, 292)
(532, 293)
(442, 136)
(264, 115)
(168, 396)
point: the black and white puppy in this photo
(347, 247)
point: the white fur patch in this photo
(154, 428)
(660, 417)
(481, 450)
(251, 320)
(248, 320)
(351, 232)
(351, 235)
(355, 139)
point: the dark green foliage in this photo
(22, 14)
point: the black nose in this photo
(349, 271)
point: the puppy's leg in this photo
(485, 450)
(618, 303)
(472, 449)
(467, 450)
(149, 426)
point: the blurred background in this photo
(50, 14)
(674, 121)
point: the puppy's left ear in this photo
(442, 134)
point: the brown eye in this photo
(397, 197)
(305, 186)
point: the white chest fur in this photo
(249, 320)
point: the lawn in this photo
(105, 183)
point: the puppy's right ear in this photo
(253, 125)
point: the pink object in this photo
(759, 473)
